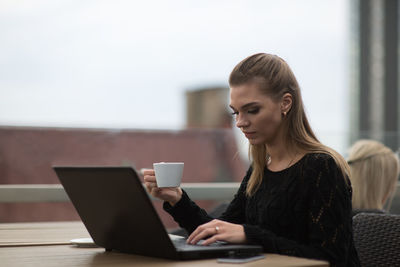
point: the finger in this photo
(203, 234)
(155, 191)
(212, 239)
(149, 178)
(213, 232)
(150, 186)
(147, 172)
(192, 235)
(196, 232)
(201, 228)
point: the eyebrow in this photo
(246, 105)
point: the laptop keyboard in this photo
(181, 244)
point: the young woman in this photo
(374, 171)
(295, 198)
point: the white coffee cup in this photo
(168, 174)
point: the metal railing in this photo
(28, 193)
(47, 193)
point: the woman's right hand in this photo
(169, 194)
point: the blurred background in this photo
(128, 64)
(135, 82)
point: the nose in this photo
(241, 121)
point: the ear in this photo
(286, 103)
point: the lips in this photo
(249, 135)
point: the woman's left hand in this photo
(218, 230)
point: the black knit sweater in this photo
(304, 210)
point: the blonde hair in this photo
(275, 78)
(374, 171)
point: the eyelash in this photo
(251, 111)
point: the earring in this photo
(284, 114)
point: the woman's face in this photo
(257, 115)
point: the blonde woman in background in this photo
(374, 172)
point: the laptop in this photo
(119, 215)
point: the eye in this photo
(234, 113)
(253, 110)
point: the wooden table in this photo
(47, 244)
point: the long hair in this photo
(374, 171)
(275, 78)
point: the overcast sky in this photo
(128, 63)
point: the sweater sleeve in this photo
(189, 215)
(329, 219)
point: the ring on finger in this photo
(216, 229)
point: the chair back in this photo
(377, 239)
